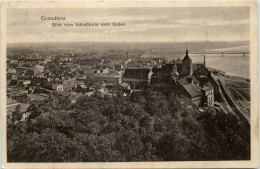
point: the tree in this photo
(17, 114)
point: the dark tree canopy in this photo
(151, 126)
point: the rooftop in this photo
(192, 90)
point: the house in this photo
(11, 71)
(208, 95)
(38, 69)
(133, 64)
(81, 87)
(38, 96)
(18, 95)
(157, 60)
(125, 85)
(205, 76)
(202, 73)
(107, 78)
(193, 92)
(39, 80)
(213, 81)
(189, 80)
(89, 61)
(13, 61)
(104, 70)
(24, 82)
(189, 86)
(20, 71)
(57, 86)
(69, 85)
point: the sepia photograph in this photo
(129, 83)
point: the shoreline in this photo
(234, 77)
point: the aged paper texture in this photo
(166, 84)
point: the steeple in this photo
(187, 57)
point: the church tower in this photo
(186, 67)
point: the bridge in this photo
(221, 53)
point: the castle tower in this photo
(186, 69)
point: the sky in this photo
(157, 24)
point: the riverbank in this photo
(238, 88)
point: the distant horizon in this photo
(130, 41)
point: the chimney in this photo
(129, 51)
(204, 61)
(150, 76)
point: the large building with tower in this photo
(197, 85)
(167, 73)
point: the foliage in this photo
(151, 126)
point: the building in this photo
(18, 95)
(20, 71)
(89, 61)
(38, 69)
(137, 78)
(24, 82)
(69, 85)
(208, 95)
(213, 81)
(205, 76)
(57, 86)
(202, 73)
(189, 86)
(107, 78)
(81, 87)
(38, 96)
(11, 71)
(171, 72)
(193, 92)
(189, 80)
(164, 74)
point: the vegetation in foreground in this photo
(153, 126)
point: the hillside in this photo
(149, 126)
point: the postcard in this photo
(131, 84)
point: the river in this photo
(232, 64)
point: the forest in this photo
(155, 125)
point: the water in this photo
(232, 64)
